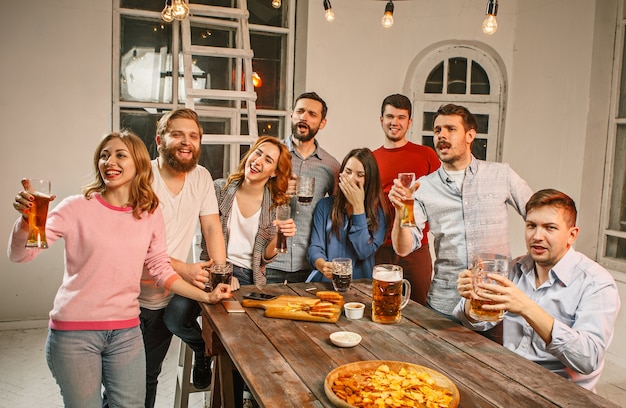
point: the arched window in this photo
(463, 74)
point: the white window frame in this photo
(614, 123)
(491, 104)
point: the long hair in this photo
(278, 184)
(142, 197)
(373, 193)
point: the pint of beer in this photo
(38, 214)
(407, 220)
(481, 266)
(387, 297)
(305, 189)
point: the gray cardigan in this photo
(265, 234)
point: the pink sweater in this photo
(105, 251)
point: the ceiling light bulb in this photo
(276, 3)
(387, 20)
(329, 14)
(166, 14)
(180, 9)
(490, 25)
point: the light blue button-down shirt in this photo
(582, 298)
(468, 222)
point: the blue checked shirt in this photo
(465, 223)
(325, 169)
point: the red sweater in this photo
(411, 157)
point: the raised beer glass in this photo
(38, 213)
(390, 293)
(481, 266)
(407, 220)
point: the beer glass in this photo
(342, 274)
(388, 296)
(219, 273)
(305, 187)
(283, 213)
(38, 213)
(407, 219)
(481, 266)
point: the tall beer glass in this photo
(283, 213)
(407, 220)
(387, 297)
(38, 214)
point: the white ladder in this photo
(243, 92)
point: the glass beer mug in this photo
(390, 293)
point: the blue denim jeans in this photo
(82, 360)
(180, 318)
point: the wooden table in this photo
(285, 362)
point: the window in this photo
(612, 251)
(464, 75)
(148, 73)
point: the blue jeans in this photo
(180, 318)
(83, 360)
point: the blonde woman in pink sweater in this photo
(110, 232)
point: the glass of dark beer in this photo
(38, 213)
(305, 188)
(342, 274)
(219, 273)
(283, 213)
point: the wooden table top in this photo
(285, 362)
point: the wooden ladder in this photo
(242, 98)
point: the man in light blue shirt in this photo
(561, 305)
(465, 203)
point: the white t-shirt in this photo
(181, 213)
(458, 177)
(241, 234)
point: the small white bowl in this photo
(354, 310)
(345, 339)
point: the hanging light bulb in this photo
(490, 25)
(180, 9)
(257, 81)
(276, 3)
(166, 14)
(387, 20)
(329, 14)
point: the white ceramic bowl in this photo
(354, 310)
(345, 339)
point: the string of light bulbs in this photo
(490, 25)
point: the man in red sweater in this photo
(398, 155)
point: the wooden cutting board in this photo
(291, 307)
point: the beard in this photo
(169, 155)
(295, 131)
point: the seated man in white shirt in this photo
(561, 305)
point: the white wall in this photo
(55, 105)
(56, 97)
